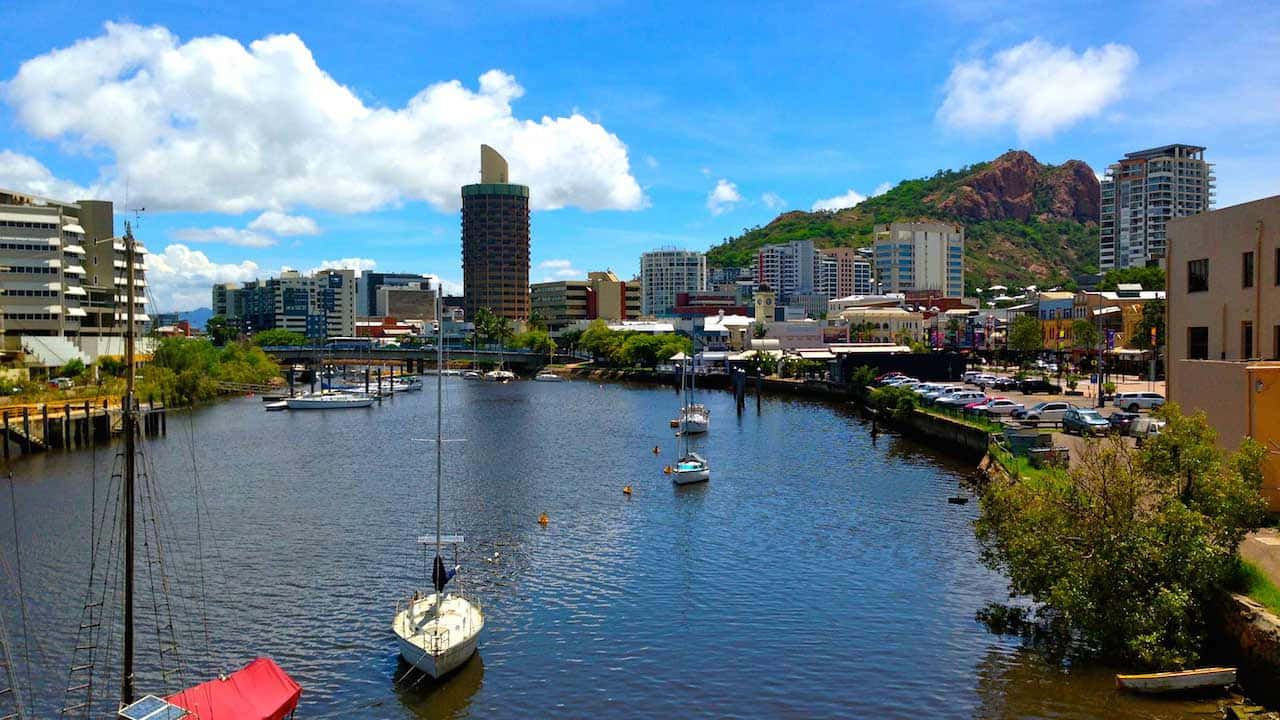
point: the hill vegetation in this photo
(1024, 221)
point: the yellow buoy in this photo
(542, 519)
(626, 490)
(666, 470)
(656, 450)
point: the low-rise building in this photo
(1223, 320)
(603, 295)
(882, 324)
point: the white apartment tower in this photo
(852, 272)
(666, 272)
(1141, 194)
(790, 269)
(926, 256)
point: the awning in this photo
(72, 227)
(815, 355)
(75, 269)
(259, 691)
(1106, 310)
(74, 249)
(76, 312)
(866, 349)
(75, 290)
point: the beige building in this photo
(602, 295)
(407, 302)
(853, 272)
(920, 256)
(1224, 324)
(882, 324)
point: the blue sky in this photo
(637, 125)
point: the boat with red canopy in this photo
(258, 691)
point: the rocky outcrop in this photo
(1015, 186)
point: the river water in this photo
(819, 574)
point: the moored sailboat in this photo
(691, 467)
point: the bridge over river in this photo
(414, 359)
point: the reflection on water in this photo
(816, 575)
(449, 697)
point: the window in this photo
(1275, 343)
(1246, 340)
(1198, 275)
(1197, 343)
(1246, 270)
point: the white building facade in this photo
(665, 273)
(1141, 194)
(919, 256)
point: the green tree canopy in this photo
(1025, 335)
(1084, 334)
(278, 337)
(220, 330)
(1152, 317)
(537, 340)
(1129, 549)
(1150, 278)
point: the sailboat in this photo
(258, 690)
(691, 467)
(437, 632)
(694, 417)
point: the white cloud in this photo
(651, 161)
(24, 173)
(450, 287)
(559, 270)
(881, 189)
(281, 224)
(358, 264)
(1035, 87)
(839, 202)
(181, 278)
(211, 125)
(772, 200)
(723, 197)
(230, 236)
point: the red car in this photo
(973, 405)
(888, 375)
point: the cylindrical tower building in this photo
(495, 242)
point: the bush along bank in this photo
(1128, 554)
(189, 371)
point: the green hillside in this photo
(1045, 248)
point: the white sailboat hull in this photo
(328, 402)
(688, 477)
(694, 423)
(437, 646)
(499, 376)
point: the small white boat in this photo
(450, 372)
(276, 406)
(694, 419)
(499, 376)
(329, 401)
(407, 384)
(471, 375)
(1179, 681)
(690, 469)
(548, 377)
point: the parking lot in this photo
(1087, 399)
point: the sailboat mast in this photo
(130, 450)
(439, 432)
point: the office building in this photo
(368, 283)
(1141, 194)
(415, 301)
(920, 256)
(791, 269)
(666, 273)
(495, 242)
(64, 279)
(1223, 325)
(602, 295)
(317, 306)
(852, 272)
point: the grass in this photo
(975, 422)
(1020, 467)
(1254, 583)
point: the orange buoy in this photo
(656, 450)
(675, 423)
(542, 520)
(666, 470)
(626, 490)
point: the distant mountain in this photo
(197, 317)
(1024, 221)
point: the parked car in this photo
(1005, 383)
(957, 400)
(923, 388)
(1121, 421)
(61, 383)
(985, 379)
(1084, 421)
(1145, 428)
(1030, 387)
(975, 408)
(935, 394)
(1050, 410)
(1000, 407)
(969, 375)
(1135, 401)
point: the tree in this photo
(1152, 317)
(571, 338)
(641, 350)
(1150, 278)
(279, 338)
(598, 339)
(484, 325)
(73, 368)
(759, 330)
(1129, 549)
(536, 321)
(1025, 335)
(537, 340)
(220, 330)
(1084, 334)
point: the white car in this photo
(923, 388)
(1001, 406)
(948, 390)
(1135, 401)
(960, 399)
(1051, 410)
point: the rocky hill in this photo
(1024, 221)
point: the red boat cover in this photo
(259, 691)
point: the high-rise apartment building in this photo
(852, 272)
(495, 242)
(1141, 194)
(602, 295)
(790, 269)
(667, 272)
(922, 256)
(318, 306)
(63, 275)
